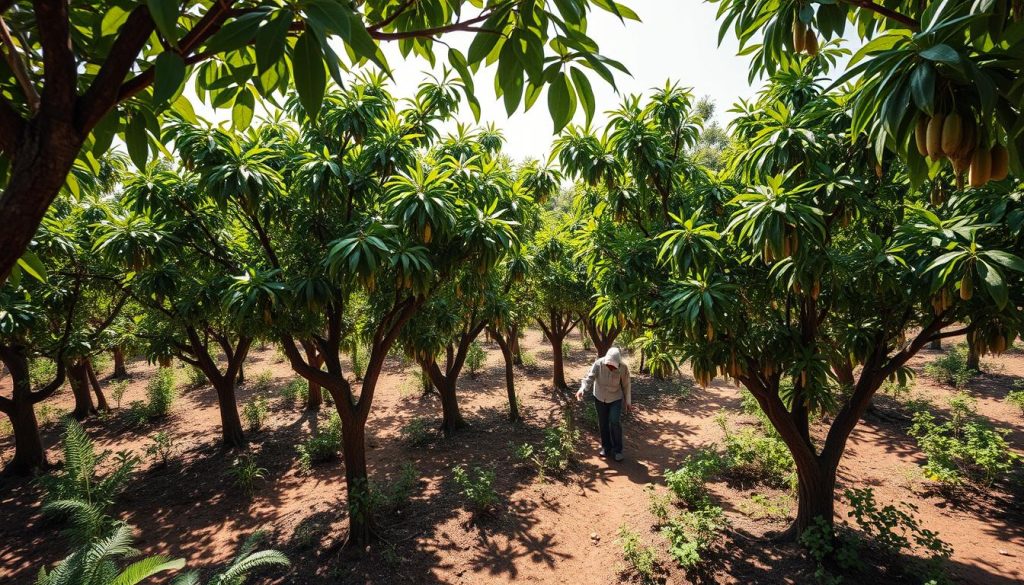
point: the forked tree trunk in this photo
(510, 374)
(120, 371)
(78, 376)
(451, 416)
(602, 340)
(101, 400)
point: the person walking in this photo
(609, 380)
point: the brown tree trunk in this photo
(101, 400)
(316, 398)
(973, 355)
(451, 416)
(120, 371)
(232, 434)
(815, 496)
(510, 375)
(241, 374)
(844, 372)
(602, 340)
(29, 454)
(558, 367)
(78, 376)
(513, 343)
(353, 447)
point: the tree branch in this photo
(60, 76)
(903, 19)
(19, 69)
(11, 125)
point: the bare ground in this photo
(541, 532)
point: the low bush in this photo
(963, 448)
(642, 559)
(358, 354)
(322, 446)
(395, 495)
(761, 506)
(659, 504)
(296, 390)
(688, 483)
(418, 432)
(246, 472)
(41, 371)
(691, 534)
(476, 485)
(263, 383)
(951, 368)
(827, 551)
(528, 360)
(1016, 396)
(160, 448)
(255, 412)
(117, 390)
(160, 392)
(757, 457)
(196, 377)
(475, 358)
(47, 414)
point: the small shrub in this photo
(160, 448)
(358, 360)
(897, 390)
(688, 483)
(529, 360)
(160, 391)
(246, 472)
(965, 447)
(296, 390)
(659, 504)
(395, 495)
(757, 457)
(1016, 396)
(590, 414)
(263, 383)
(827, 550)
(560, 445)
(196, 377)
(255, 412)
(951, 367)
(760, 506)
(41, 371)
(322, 446)
(475, 358)
(642, 559)
(117, 390)
(692, 534)
(523, 453)
(417, 432)
(476, 485)
(47, 414)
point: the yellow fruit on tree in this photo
(1000, 163)
(921, 135)
(981, 167)
(952, 134)
(427, 233)
(967, 286)
(811, 42)
(799, 40)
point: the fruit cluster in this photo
(804, 39)
(957, 138)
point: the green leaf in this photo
(113, 20)
(169, 76)
(994, 283)
(271, 40)
(104, 131)
(165, 17)
(585, 93)
(561, 102)
(183, 107)
(922, 87)
(237, 33)
(941, 53)
(309, 73)
(1006, 259)
(136, 140)
(30, 263)
(241, 112)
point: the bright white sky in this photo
(676, 39)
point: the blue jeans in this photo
(609, 419)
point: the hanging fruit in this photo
(921, 135)
(981, 167)
(799, 35)
(811, 42)
(1000, 165)
(935, 137)
(967, 286)
(952, 134)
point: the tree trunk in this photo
(937, 342)
(973, 355)
(120, 371)
(843, 372)
(353, 446)
(602, 340)
(78, 376)
(232, 434)
(510, 377)
(451, 417)
(558, 369)
(316, 398)
(45, 152)
(815, 496)
(513, 343)
(241, 374)
(101, 400)
(29, 454)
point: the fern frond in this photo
(118, 543)
(190, 578)
(235, 574)
(139, 570)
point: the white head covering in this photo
(613, 357)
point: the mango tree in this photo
(73, 78)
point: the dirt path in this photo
(541, 532)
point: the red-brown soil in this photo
(541, 531)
